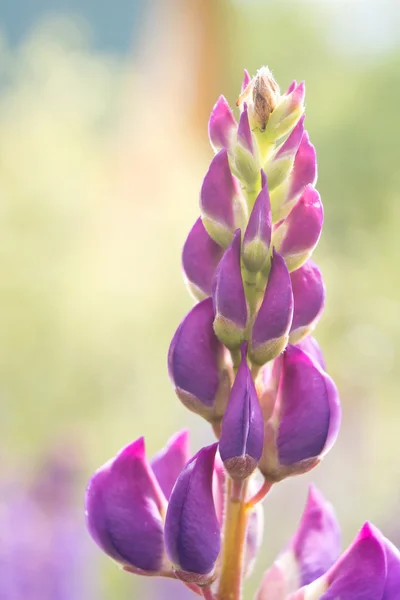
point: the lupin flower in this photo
(222, 125)
(242, 434)
(223, 208)
(310, 345)
(261, 95)
(170, 461)
(281, 164)
(192, 533)
(270, 332)
(305, 418)
(257, 237)
(310, 553)
(195, 363)
(309, 299)
(125, 508)
(230, 305)
(296, 237)
(200, 258)
(246, 159)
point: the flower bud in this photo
(222, 206)
(286, 114)
(192, 533)
(195, 364)
(309, 299)
(246, 80)
(305, 419)
(242, 434)
(310, 553)
(124, 508)
(270, 331)
(170, 461)
(200, 258)
(257, 237)
(222, 125)
(297, 236)
(261, 95)
(280, 166)
(304, 172)
(291, 87)
(229, 299)
(246, 156)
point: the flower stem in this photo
(207, 593)
(236, 516)
(260, 495)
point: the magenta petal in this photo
(309, 409)
(123, 509)
(200, 258)
(242, 435)
(291, 145)
(221, 125)
(275, 314)
(244, 135)
(169, 462)
(360, 573)
(194, 355)
(192, 533)
(317, 541)
(308, 296)
(392, 585)
(304, 168)
(291, 87)
(310, 345)
(246, 80)
(228, 292)
(260, 222)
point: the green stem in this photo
(236, 517)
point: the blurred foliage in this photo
(97, 193)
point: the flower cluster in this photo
(244, 359)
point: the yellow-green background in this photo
(102, 153)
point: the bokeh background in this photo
(103, 146)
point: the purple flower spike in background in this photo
(257, 237)
(192, 533)
(270, 331)
(309, 299)
(125, 508)
(200, 258)
(242, 434)
(230, 305)
(195, 363)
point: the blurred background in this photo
(103, 146)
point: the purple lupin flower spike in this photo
(192, 533)
(242, 434)
(270, 331)
(304, 424)
(222, 207)
(169, 462)
(230, 305)
(297, 236)
(200, 258)
(257, 237)
(125, 508)
(195, 366)
(309, 299)
(222, 125)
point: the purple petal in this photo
(291, 87)
(301, 229)
(308, 296)
(392, 586)
(229, 299)
(200, 258)
(258, 230)
(242, 434)
(221, 125)
(291, 145)
(123, 509)
(220, 199)
(194, 357)
(244, 134)
(246, 80)
(274, 584)
(360, 573)
(309, 410)
(310, 345)
(275, 314)
(317, 542)
(304, 167)
(192, 533)
(169, 462)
